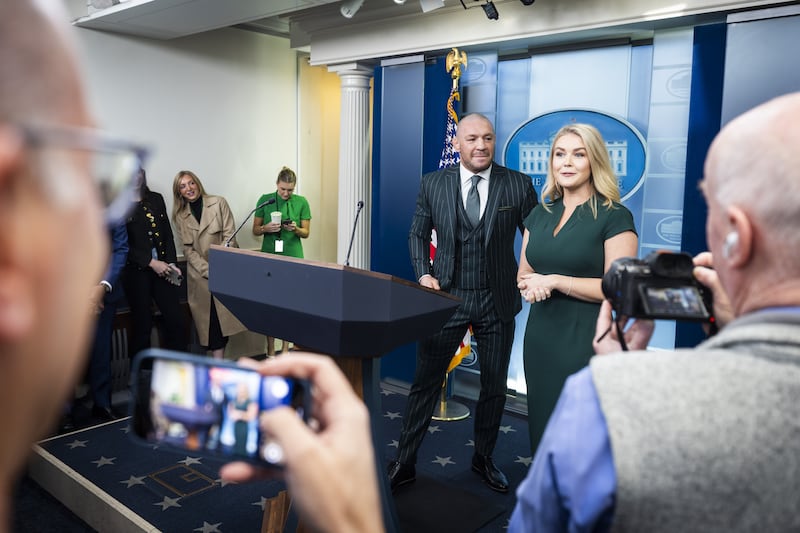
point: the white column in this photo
(354, 163)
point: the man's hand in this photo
(430, 282)
(704, 273)
(96, 299)
(606, 339)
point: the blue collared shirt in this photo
(571, 485)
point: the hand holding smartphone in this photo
(209, 406)
(174, 275)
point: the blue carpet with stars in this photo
(171, 491)
(182, 492)
(447, 492)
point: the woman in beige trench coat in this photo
(202, 220)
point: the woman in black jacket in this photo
(151, 274)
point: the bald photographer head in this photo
(701, 439)
(54, 207)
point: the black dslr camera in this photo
(660, 286)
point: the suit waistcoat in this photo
(470, 256)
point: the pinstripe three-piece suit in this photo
(479, 265)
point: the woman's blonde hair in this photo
(602, 178)
(179, 203)
(287, 175)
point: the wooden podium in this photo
(353, 315)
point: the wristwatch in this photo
(106, 285)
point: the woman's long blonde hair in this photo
(602, 178)
(179, 203)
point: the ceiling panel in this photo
(167, 19)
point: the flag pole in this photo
(452, 410)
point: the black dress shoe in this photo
(66, 424)
(103, 413)
(401, 474)
(485, 467)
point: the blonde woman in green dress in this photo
(570, 240)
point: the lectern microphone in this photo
(353, 234)
(259, 206)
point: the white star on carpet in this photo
(209, 528)
(103, 461)
(434, 429)
(133, 480)
(223, 482)
(77, 444)
(444, 461)
(395, 444)
(168, 502)
(391, 415)
(506, 429)
(470, 442)
(126, 429)
(191, 461)
(524, 460)
(260, 503)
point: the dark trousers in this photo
(494, 338)
(99, 369)
(142, 288)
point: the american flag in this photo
(451, 158)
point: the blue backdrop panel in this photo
(761, 63)
(409, 128)
(704, 123)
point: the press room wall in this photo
(224, 104)
(232, 106)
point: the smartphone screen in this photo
(209, 406)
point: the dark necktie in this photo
(474, 202)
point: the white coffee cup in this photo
(276, 217)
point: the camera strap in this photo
(620, 335)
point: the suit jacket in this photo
(119, 255)
(215, 227)
(511, 198)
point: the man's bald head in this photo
(753, 164)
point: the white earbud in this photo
(731, 241)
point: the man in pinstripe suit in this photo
(475, 208)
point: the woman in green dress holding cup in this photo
(283, 222)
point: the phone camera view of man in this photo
(660, 286)
(211, 408)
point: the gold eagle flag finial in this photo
(453, 64)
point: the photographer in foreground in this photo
(704, 439)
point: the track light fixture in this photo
(350, 8)
(490, 10)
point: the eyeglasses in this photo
(115, 163)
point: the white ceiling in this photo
(168, 19)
